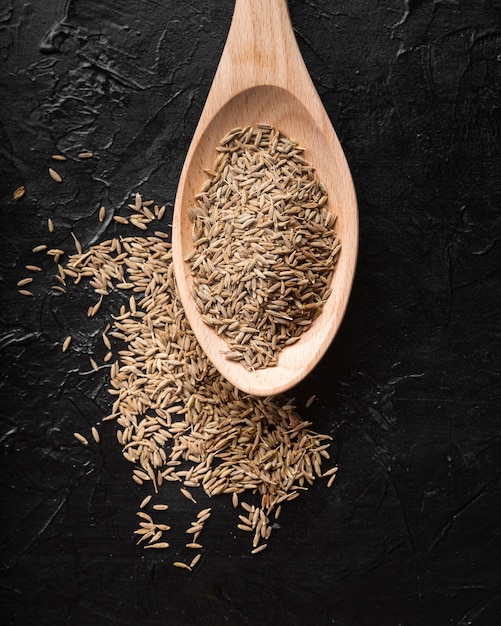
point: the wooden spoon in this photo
(262, 78)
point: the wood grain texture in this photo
(262, 77)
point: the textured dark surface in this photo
(409, 534)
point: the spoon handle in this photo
(261, 49)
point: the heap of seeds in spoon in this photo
(265, 246)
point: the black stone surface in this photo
(409, 534)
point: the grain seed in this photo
(145, 502)
(24, 281)
(163, 526)
(81, 439)
(260, 548)
(106, 341)
(188, 495)
(156, 537)
(146, 517)
(310, 401)
(195, 560)
(244, 527)
(203, 519)
(132, 305)
(78, 245)
(55, 176)
(66, 343)
(138, 201)
(329, 472)
(161, 545)
(19, 192)
(331, 480)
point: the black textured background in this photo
(409, 534)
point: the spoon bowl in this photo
(261, 78)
